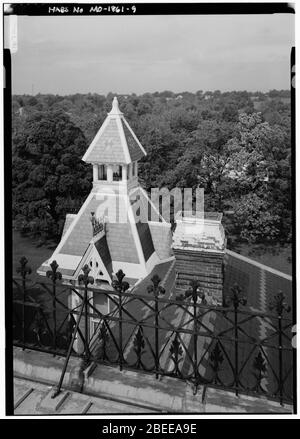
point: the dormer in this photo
(115, 151)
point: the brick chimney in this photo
(199, 248)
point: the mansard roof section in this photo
(115, 142)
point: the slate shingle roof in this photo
(68, 221)
(134, 149)
(79, 238)
(256, 280)
(115, 142)
(108, 147)
(162, 239)
(119, 235)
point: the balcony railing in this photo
(227, 347)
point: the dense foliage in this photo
(236, 145)
(49, 179)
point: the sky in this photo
(139, 54)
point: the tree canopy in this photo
(236, 145)
(48, 177)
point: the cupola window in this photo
(102, 172)
(134, 169)
(117, 172)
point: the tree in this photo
(254, 219)
(48, 178)
(260, 164)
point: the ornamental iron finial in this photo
(85, 278)
(279, 304)
(236, 297)
(53, 274)
(156, 288)
(194, 290)
(23, 269)
(118, 284)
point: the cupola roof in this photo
(115, 142)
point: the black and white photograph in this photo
(149, 160)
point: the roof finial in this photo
(115, 107)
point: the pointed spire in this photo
(115, 107)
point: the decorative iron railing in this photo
(229, 347)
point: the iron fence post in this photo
(156, 289)
(23, 270)
(195, 336)
(86, 280)
(236, 298)
(236, 348)
(120, 332)
(120, 286)
(194, 291)
(278, 303)
(280, 357)
(54, 275)
(156, 334)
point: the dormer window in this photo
(102, 172)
